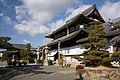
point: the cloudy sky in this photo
(30, 20)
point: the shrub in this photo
(24, 63)
(91, 63)
(116, 55)
(14, 63)
(76, 57)
(106, 61)
(19, 63)
(39, 61)
(11, 63)
(31, 60)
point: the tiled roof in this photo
(65, 38)
(20, 46)
(115, 40)
(85, 13)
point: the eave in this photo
(66, 38)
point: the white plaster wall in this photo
(110, 49)
(51, 58)
(69, 60)
(52, 52)
(74, 60)
(1, 54)
(74, 50)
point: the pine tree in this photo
(28, 47)
(96, 42)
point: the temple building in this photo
(68, 40)
(114, 34)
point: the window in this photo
(63, 33)
(72, 29)
(56, 37)
(77, 27)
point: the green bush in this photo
(116, 55)
(106, 61)
(24, 63)
(31, 60)
(39, 61)
(11, 63)
(76, 57)
(92, 63)
(19, 63)
(14, 63)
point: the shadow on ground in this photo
(81, 78)
(10, 72)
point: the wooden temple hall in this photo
(68, 40)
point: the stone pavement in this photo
(37, 72)
(3, 64)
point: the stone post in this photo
(13, 57)
(38, 53)
(46, 55)
(35, 61)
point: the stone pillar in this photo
(13, 57)
(35, 61)
(38, 53)
(46, 55)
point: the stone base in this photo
(45, 62)
(57, 63)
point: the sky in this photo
(28, 21)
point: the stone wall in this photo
(90, 74)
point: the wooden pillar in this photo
(59, 50)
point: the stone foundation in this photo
(91, 74)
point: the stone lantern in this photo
(38, 55)
(46, 48)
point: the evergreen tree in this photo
(4, 43)
(24, 54)
(96, 42)
(28, 47)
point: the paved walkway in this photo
(37, 72)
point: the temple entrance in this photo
(56, 56)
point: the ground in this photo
(37, 72)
